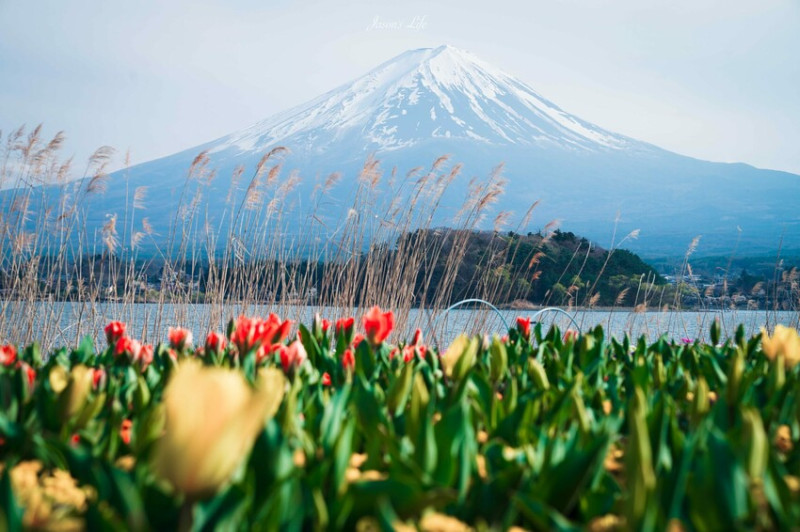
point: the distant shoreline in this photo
(507, 307)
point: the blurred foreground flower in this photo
(437, 522)
(784, 342)
(213, 417)
(52, 501)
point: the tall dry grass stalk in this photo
(257, 256)
(63, 276)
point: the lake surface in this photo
(58, 324)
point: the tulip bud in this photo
(498, 358)
(735, 372)
(348, 361)
(78, 386)
(524, 327)
(777, 374)
(29, 373)
(319, 328)
(639, 455)
(701, 400)
(98, 378)
(584, 421)
(758, 445)
(659, 371)
(537, 372)
(344, 329)
(292, 357)
(146, 356)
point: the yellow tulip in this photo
(212, 419)
(784, 342)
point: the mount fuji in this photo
(425, 103)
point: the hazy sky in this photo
(714, 79)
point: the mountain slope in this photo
(424, 103)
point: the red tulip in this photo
(417, 337)
(127, 347)
(320, 327)
(326, 379)
(30, 374)
(146, 356)
(281, 332)
(378, 325)
(409, 353)
(215, 342)
(570, 334)
(345, 325)
(98, 377)
(252, 333)
(344, 329)
(292, 357)
(75, 439)
(524, 326)
(125, 431)
(348, 360)
(179, 338)
(357, 339)
(265, 351)
(114, 331)
(8, 354)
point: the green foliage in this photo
(558, 269)
(552, 433)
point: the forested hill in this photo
(559, 269)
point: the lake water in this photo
(64, 323)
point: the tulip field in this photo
(343, 426)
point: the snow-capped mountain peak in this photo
(426, 94)
(422, 104)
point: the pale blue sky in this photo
(714, 79)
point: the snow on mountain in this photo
(424, 94)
